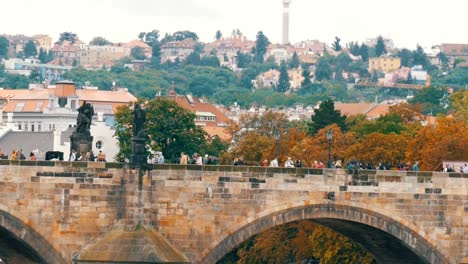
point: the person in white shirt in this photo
(274, 163)
(198, 160)
(289, 163)
(73, 155)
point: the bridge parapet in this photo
(205, 211)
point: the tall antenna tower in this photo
(286, 21)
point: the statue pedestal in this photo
(138, 157)
(81, 142)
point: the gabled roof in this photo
(194, 104)
(36, 100)
(371, 110)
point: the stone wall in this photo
(67, 205)
(205, 211)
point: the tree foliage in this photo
(170, 128)
(30, 49)
(184, 34)
(138, 53)
(326, 115)
(4, 45)
(45, 56)
(218, 35)
(459, 105)
(380, 48)
(283, 83)
(336, 46)
(67, 36)
(433, 100)
(298, 242)
(100, 41)
(294, 62)
(446, 140)
(261, 45)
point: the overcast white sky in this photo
(407, 22)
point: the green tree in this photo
(326, 115)
(283, 83)
(432, 100)
(194, 58)
(152, 39)
(100, 41)
(444, 61)
(420, 58)
(324, 68)
(364, 52)
(210, 60)
(16, 81)
(306, 75)
(294, 63)
(406, 57)
(67, 36)
(4, 44)
(42, 56)
(354, 48)
(202, 85)
(181, 35)
(336, 46)
(243, 59)
(149, 38)
(261, 45)
(30, 49)
(390, 123)
(380, 47)
(170, 128)
(459, 104)
(138, 53)
(156, 55)
(218, 35)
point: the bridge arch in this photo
(360, 222)
(20, 229)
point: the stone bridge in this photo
(78, 212)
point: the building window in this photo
(32, 127)
(19, 126)
(19, 107)
(38, 127)
(26, 127)
(99, 144)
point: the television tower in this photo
(286, 21)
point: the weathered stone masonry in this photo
(59, 208)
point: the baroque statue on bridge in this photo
(85, 115)
(139, 118)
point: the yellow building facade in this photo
(384, 64)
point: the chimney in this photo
(63, 90)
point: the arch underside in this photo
(388, 240)
(22, 244)
(384, 247)
(13, 250)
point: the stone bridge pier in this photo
(78, 212)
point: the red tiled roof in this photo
(378, 111)
(217, 131)
(350, 109)
(203, 106)
(31, 98)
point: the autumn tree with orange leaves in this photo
(446, 140)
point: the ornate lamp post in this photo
(330, 139)
(276, 134)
